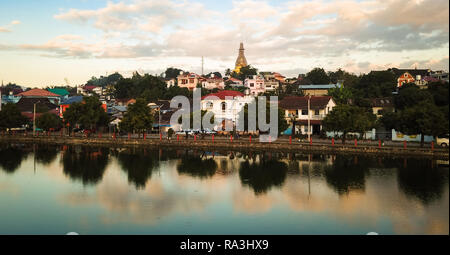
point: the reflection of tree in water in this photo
(347, 173)
(86, 164)
(263, 175)
(138, 165)
(197, 166)
(45, 154)
(11, 157)
(418, 179)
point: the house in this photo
(380, 105)
(296, 112)
(254, 85)
(26, 106)
(233, 82)
(164, 111)
(440, 75)
(318, 89)
(188, 80)
(271, 82)
(225, 105)
(170, 82)
(213, 82)
(411, 76)
(41, 93)
(280, 78)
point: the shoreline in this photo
(236, 145)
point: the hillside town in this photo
(381, 101)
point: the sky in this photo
(58, 42)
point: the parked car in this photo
(442, 140)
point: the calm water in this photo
(55, 190)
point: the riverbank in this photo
(241, 145)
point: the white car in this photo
(442, 140)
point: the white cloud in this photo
(298, 35)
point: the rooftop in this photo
(297, 102)
(225, 93)
(38, 93)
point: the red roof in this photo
(89, 87)
(38, 93)
(225, 93)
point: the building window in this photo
(304, 112)
(316, 112)
(224, 106)
(252, 84)
(209, 105)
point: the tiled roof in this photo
(38, 93)
(225, 93)
(296, 102)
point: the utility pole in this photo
(34, 119)
(309, 118)
(202, 64)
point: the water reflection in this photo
(45, 154)
(143, 190)
(347, 173)
(263, 175)
(11, 157)
(197, 165)
(87, 164)
(420, 181)
(138, 164)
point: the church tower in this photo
(240, 61)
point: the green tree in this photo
(10, 117)
(138, 117)
(424, 118)
(89, 114)
(48, 120)
(318, 76)
(340, 95)
(172, 72)
(349, 118)
(376, 84)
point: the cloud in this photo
(4, 29)
(277, 36)
(15, 22)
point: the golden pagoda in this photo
(240, 61)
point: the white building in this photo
(225, 105)
(213, 83)
(296, 108)
(254, 85)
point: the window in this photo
(209, 105)
(316, 112)
(304, 112)
(252, 84)
(224, 106)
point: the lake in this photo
(46, 189)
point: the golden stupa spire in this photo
(240, 61)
